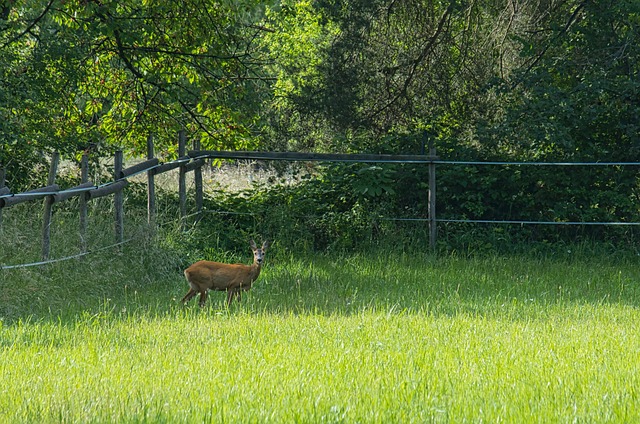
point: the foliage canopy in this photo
(523, 80)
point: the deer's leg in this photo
(188, 296)
(231, 293)
(203, 297)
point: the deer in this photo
(203, 276)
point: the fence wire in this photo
(480, 163)
(66, 258)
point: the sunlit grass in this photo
(377, 337)
(372, 366)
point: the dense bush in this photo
(353, 206)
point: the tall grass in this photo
(371, 366)
(378, 336)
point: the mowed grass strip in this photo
(578, 363)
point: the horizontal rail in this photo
(37, 193)
(492, 221)
(141, 167)
(461, 221)
(168, 166)
(312, 157)
(108, 189)
(75, 191)
(514, 222)
(347, 157)
(480, 163)
(193, 165)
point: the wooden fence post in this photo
(433, 230)
(197, 175)
(48, 208)
(151, 187)
(84, 178)
(182, 182)
(1, 187)
(118, 198)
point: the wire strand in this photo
(66, 258)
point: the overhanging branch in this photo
(31, 25)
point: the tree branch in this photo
(30, 27)
(546, 48)
(414, 64)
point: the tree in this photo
(102, 72)
(297, 47)
(387, 68)
(576, 95)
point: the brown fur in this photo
(232, 278)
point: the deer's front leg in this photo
(231, 293)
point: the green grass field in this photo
(374, 337)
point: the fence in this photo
(88, 191)
(195, 159)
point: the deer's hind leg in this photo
(187, 297)
(203, 297)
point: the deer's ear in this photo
(265, 245)
(253, 245)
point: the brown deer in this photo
(232, 278)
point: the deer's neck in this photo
(255, 271)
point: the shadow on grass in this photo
(451, 285)
(510, 287)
